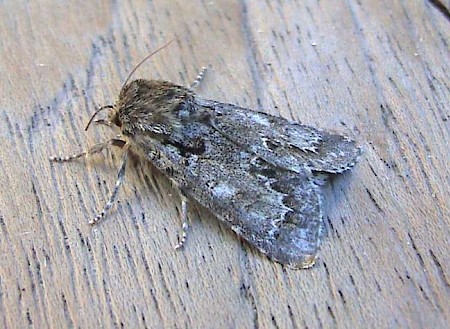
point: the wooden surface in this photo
(375, 70)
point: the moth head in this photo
(113, 115)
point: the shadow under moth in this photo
(257, 173)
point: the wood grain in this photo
(375, 70)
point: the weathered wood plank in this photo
(375, 70)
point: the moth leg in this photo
(97, 148)
(185, 225)
(198, 79)
(113, 196)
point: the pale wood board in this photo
(377, 71)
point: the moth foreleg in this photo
(97, 148)
(185, 222)
(113, 196)
(198, 79)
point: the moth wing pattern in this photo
(276, 210)
(287, 144)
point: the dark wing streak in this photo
(276, 210)
(281, 142)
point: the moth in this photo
(259, 174)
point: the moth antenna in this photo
(142, 62)
(96, 112)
